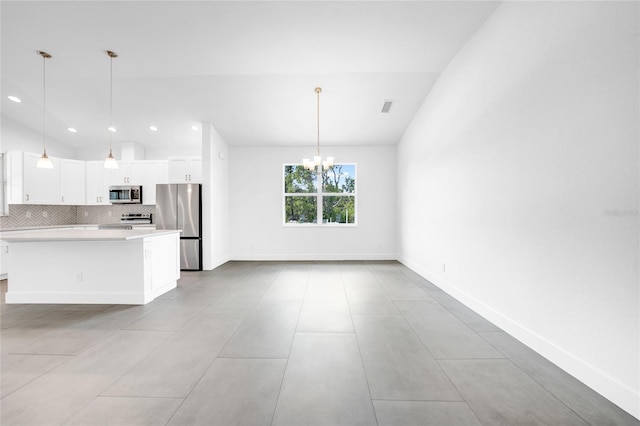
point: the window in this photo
(334, 201)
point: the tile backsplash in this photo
(110, 214)
(35, 215)
(21, 215)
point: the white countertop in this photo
(85, 235)
(74, 226)
(45, 227)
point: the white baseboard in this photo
(311, 257)
(620, 394)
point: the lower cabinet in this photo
(4, 259)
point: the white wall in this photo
(16, 137)
(256, 216)
(215, 198)
(520, 173)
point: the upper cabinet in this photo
(155, 172)
(27, 184)
(72, 182)
(130, 173)
(98, 180)
(185, 170)
(77, 182)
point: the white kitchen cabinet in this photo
(4, 259)
(98, 180)
(155, 172)
(185, 170)
(27, 184)
(129, 173)
(72, 182)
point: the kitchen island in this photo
(92, 266)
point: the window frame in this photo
(319, 194)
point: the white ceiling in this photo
(250, 68)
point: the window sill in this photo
(319, 225)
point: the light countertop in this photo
(85, 235)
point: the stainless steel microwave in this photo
(130, 194)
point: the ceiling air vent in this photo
(386, 107)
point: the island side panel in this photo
(162, 270)
(104, 272)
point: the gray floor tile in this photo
(234, 392)
(267, 332)
(171, 316)
(324, 383)
(473, 320)
(325, 316)
(57, 332)
(174, 367)
(288, 289)
(19, 370)
(397, 364)
(418, 280)
(368, 298)
(14, 315)
(444, 335)
(126, 411)
(499, 393)
(61, 393)
(399, 289)
(424, 413)
(587, 403)
(325, 309)
(242, 298)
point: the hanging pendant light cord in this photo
(110, 98)
(44, 55)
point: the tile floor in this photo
(283, 343)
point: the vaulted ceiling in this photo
(249, 68)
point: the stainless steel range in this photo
(136, 218)
(128, 221)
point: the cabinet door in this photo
(178, 170)
(195, 170)
(155, 172)
(41, 186)
(121, 173)
(94, 182)
(98, 181)
(185, 170)
(136, 172)
(72, 182)
(108, 179)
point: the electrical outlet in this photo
(28, 214)
(444, 267)
(79, 276)
(86, 214)
(45, 214)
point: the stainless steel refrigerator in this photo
(179, 206)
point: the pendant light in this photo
(317, 163)
(44, 162)
(110, 162)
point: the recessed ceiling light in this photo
(194, 127)
(14, 99)
(112, 129)
(153, 128)
(72, 129)
(386, 107)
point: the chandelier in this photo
(317, 164)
